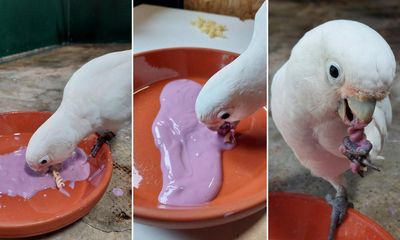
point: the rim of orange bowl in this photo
(75, 211)
(185, 49)
(203, 212)
(351, 211)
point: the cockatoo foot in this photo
(339, 205)
(358, 154)
(102, 139)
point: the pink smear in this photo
(17, 179)
(118, 192)
(190, 152)
(95, 178)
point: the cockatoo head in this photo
(217, 104)
(48, 147)
(342, 66)
(238, 89)
(229, 98)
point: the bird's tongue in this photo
(356, 131)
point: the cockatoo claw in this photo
(339, 204)
(102, 139)
(358, 154)
(367, 163)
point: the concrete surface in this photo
(252, 227)
(378, 194)
(36, 83)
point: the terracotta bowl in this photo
(49, 209)
(300, 216)
(243, 190)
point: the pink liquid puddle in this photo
(17, 179)
(190, 152)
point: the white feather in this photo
(97, 97)
(377, 130)
(240, 87)
(304, 100)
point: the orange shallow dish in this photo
(243, 190)
(300, 216)
(49, 209)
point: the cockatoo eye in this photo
(224, 115)
(44, 161)
(334, 72)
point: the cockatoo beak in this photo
(214, 127)
(223, 128)
(40, 170)
(353, 108)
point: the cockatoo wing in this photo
(101, 91)
(377, 130)
(308, 148)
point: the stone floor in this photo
(378, 194)
(35, 83)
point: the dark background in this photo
(169, 3)
(27, 24)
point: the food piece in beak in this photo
(58, 179)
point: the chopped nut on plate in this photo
(211, 28)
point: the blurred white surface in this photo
(159, 27)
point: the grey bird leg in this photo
(339, 205)
(102, 139)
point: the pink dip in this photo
(17, 179)
(118, 192)
(190, 152)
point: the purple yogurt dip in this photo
(17, 179)
(190, 152)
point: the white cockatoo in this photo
(338, 72)
(238, 89)
(96, 98)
